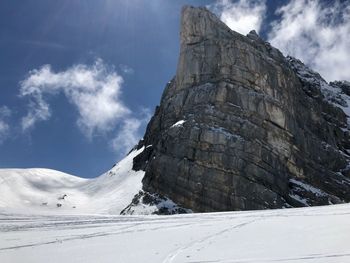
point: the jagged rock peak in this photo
(242, 127)
(253, 35)
(198, 24)
(201, 29)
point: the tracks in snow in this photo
(170, 258)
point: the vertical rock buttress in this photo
(236, 128)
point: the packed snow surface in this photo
(49, 191)
(313, 234)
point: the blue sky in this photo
(107, 63)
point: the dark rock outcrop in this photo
(153, 203)
(242, 127)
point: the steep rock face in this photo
(242, 127)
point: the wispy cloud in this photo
(129, 132)
(95, 91)
(126, 69)
(241, 16)
(43, 44)
(4, 126)
(316, 34)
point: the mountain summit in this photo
(242, 127)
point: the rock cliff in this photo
(242, 127)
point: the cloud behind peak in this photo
(241, 16)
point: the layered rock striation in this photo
(242, 127)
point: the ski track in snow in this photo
(173, 255)
(313, 234)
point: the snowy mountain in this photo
(239, 127)
(48, 191)
(242, 127)
(44, 190)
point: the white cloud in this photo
(38, 110)
(95, 92)
(241, 16)
(4, 126)
(129, 133)
(316, 34)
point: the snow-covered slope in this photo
(44, 190)
(313, 234)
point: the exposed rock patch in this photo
(147, 203)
